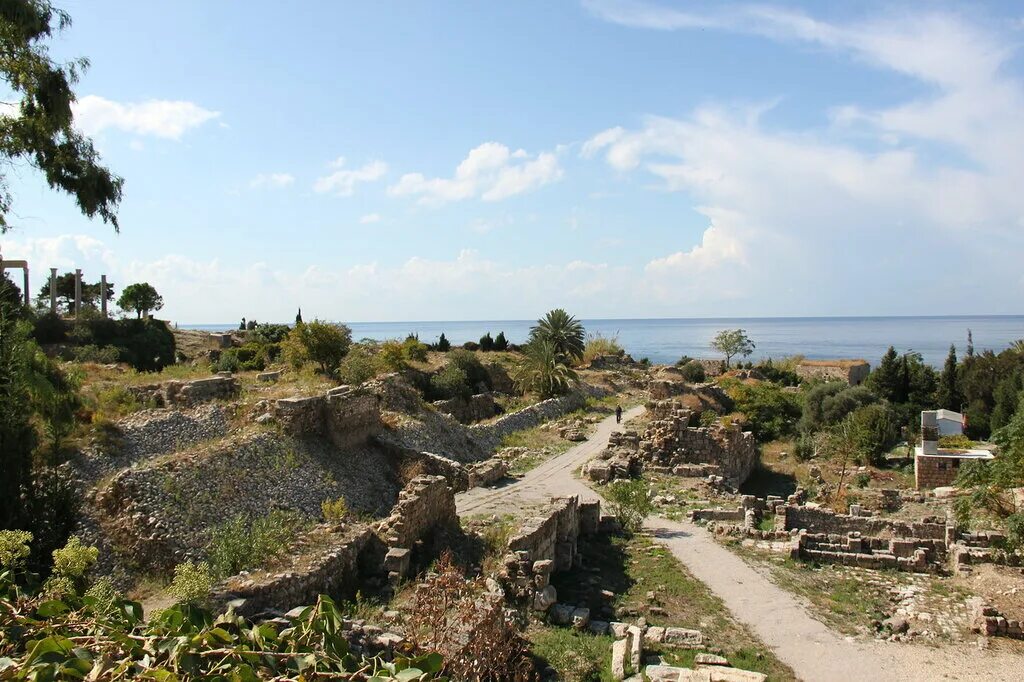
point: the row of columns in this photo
(4, 264)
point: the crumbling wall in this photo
(491, 435)
(669, 442)
(335, 571)
(176, 393)
(346, 415)
(477, 408)
(545, 544)
(853, 372)
(818, 520)
(426, 506)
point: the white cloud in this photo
(490, 171)
(342, 182)
(159, 118)
(272, 181)
(370, 218)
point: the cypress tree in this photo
(886, 380)
(949, 395)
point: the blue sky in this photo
(463, 160)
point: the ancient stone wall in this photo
(935, 472)
(186, 393)
(670, 442)
(817, 520)
(853, 372)
(424, 504)
(547, 543)
(335, 571)
(477, 408)
(345, 415)
(986, 620)
(491, 435)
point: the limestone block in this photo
(620, 659)
(580, 617)
(654, 635)
(635, 638)
(709, 659)
(561, 614)
(543, 599)
(683, 637)
(723, 674)
(618, 629)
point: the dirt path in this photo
(810, 648)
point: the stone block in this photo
(561, 614)
(620, 659)
(654, 635)
(580, 617)
(709, 659)
(635, 637)
(683, 637)
(543, 599)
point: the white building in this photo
(950, 423)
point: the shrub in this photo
(242, 543)
(476, 373)
(358, 366)
(334, 511)
(450, 382)
(805, 447)
(192, 582)
(693, 372)
(486, 342)
(74, 559)
(862, 479)
(828, 404)
(708, 418)
(322, 343)
(50, 328)
(772, 412)
(777, 374)
(471, 346)
(1015, 532)
(443, 345)
(391, 357)
(598, 345)
(103, 355)
(267, 334)
(413, 350)
(877, 431)
(631, 503)
(956, 442)
(227, 362)
(544, 372)
(14, 548)
(500, 342)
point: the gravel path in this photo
(810, 648)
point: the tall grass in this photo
(598, 344)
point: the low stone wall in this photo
(335, 571)
(987, 620)
(491, 435)
(905, 554)
(479, 407)
(186, 393)
(345, 415)
(426, 506)
(817, 520)
(935, 472)
(487, 472)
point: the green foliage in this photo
(477, 377)
(948, 394)
(359, 365)
(450, 382)
(486, 342)
(562, 332)
(391, 357)
(772, 412)
(102, 636)
(575, 656)
(631, 503)
(732, 342)
(708, 418)
(956, 442)
(147, 345)
(443, 345)
(544, 372)
(877, 431)
(17, 435)
(335, 511)
(14, 548)
(243, 543)
(65, 294)
(140, 298)
(38, 132)
(267, 334)
(101, 355)
(804, 447)
(192, 582)
(500, 342)
(904, 380)
(777, 374)
(413, 350)
(322, 343)
(828, 404)
(599, 344)
(74, 559)
(693, 372)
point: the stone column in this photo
(53, 290)
(78, 293)
(103, 295)
(25, 290)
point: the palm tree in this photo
(562, 331)
(543, 371)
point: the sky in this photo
(382, 161)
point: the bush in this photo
(631, 503)
(267, 334)
(102, 355)
(693, 372)
(192, 582)
(14, 548)
(242, 543)
(358, 366)
(500, 342)
(828, 404)
(443, 345)
(877, 431)
(50, 328)
(450, 382)
(334, 511)
(776, 374)
(227, 362)
(322, 343)
(772, 412)
(391, 357)
(956, 442)
(708, 418)
(413, 350)
(862, 479)
(476, 373)
(598, 345)
(486, 342)
(471, 346)
(805, 447)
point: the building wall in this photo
(934, 472)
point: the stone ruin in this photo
(669, 444)
(187, 393)
(345, 415)
(476, 408)
(426, 506)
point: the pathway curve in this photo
(814, 651)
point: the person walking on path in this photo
(618, 414)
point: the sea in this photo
(666, 340)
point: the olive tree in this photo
(140, 298)
(732, 342)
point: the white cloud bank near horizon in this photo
(169, 119)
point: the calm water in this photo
(664, 341)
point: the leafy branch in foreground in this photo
(102, 636)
